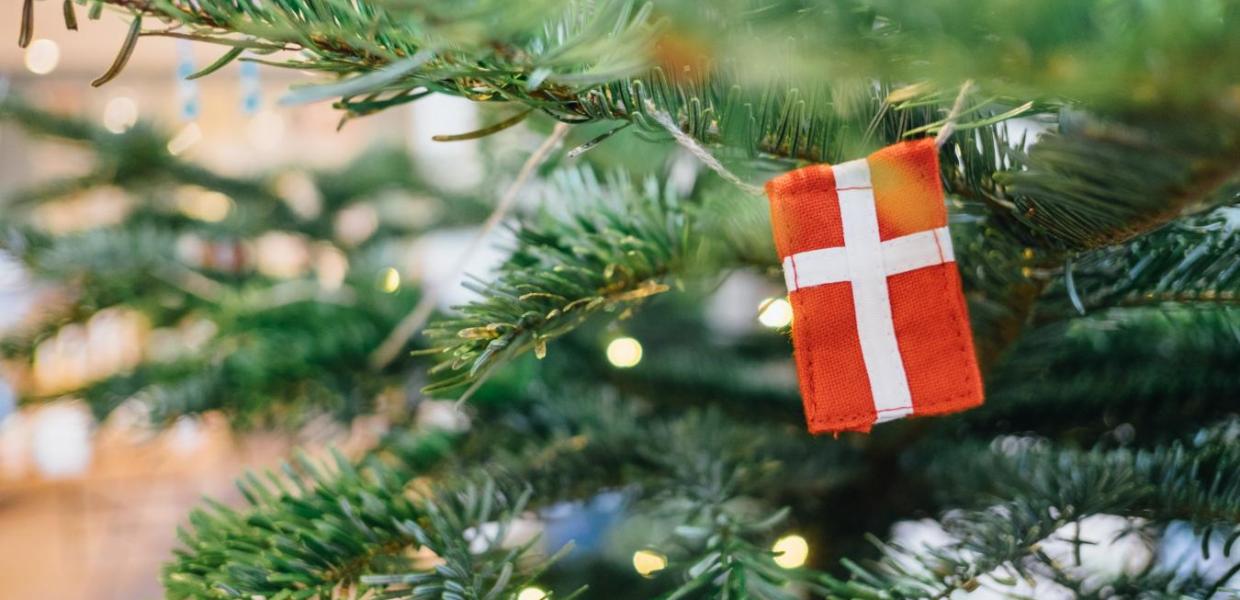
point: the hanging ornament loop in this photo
(699, 151)
(954, 115)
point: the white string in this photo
(696, 149)
(950, 126)
(699, 151)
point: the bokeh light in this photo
(42, 56)
(648, 562)
(624, 352)
(185, 139)
(203, 204)
(775, 313)
(120, 114)
(791, 551)
(331, 266)
(282, 255)
(531, 593)
(390, 280)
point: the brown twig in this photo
(413, 322)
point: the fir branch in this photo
(1081, 50)
(1080, 189)
(1022, 210)
(1122, 367)
(715, 543)
(1097, 183)
(727, 564)
(626, 245)
(1002, 279)
(467, 530)
(308, 532)
(316, 530)
(1152, 583)
(1084, 51)
(1184, 480)
(1034, 491)
(319, 529)
(590, 63)
(714, 478)
(1193, 261)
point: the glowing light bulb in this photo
(791, 551)
(185, 139)
(390, 281)
(624, 352)
(120, 114)
(648, 562)
(775, 313)
(531, 593)
(42, 56)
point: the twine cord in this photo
(696, 149)
(954, 115)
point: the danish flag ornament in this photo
(880, 329)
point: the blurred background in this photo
(174, 247)
(87, 509)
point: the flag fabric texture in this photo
(880, 329)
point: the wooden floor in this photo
(103, 534)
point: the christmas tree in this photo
(1089, 156)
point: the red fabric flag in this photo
(880, 329)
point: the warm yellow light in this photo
(185, 139)
(205, 205)
(119, 114)
(648, 562)
(531, 593)
(790, 551)
(775, 313)
(624, 352)
(42, 56)
(390, 281)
